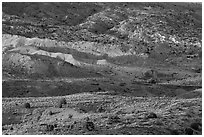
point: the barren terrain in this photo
(102, 68)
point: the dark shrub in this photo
(122, 84)
(152, 80)
(82, 110)
(113, 119)
(59, 105)
(174, 132)
(50, 113)
(70, 116)
(90, 126)
(100, 109)
(50, 127)
(63, 101)
(151, 115)
(188, 131)
(27, 105)
(150, 74)
(195, 126)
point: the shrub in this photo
(82, 110)
(27, 105)
(150, 74)
(63, 101)
(195, 126)
(174, 132)
(151, 115)
(188, 131)
(100, 109)
(113, 119)
(50, 127)
(89, 126)
(50, 113)
(60, 105)
(70, 116)
(122, 84)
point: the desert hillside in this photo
(120, 68)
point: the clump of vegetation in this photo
(70, 116)
(26, 105)
(174, 132)
(188, 131)
(196, 126)
(82, 110)
(100, 109)
(50, 113)
(50, 127)
(63, 101)
(113, 119)
(151, 74)
(122, 84)
(151, 115)
(152, 80)
(59, 105)
(89, 125)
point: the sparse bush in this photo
(152, 80)
(188, 131)
(82, 110)
(151, 115)
(63, 101)
(100, 109)
(70, 116)
(122, 84)
(197, 69)
(11, 128)
(50, 127)
(50, 113)
(150, 74)
(27, 105)
(59, 105)
(195, 126)
(174, 132)
(113, 119)
(89, 125)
